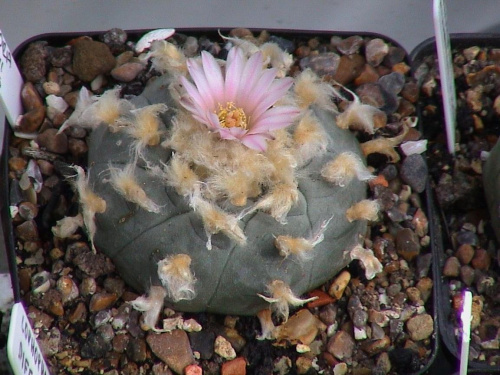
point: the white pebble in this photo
(414, 147)
(148, 38)
(360, 333)
(56, 102)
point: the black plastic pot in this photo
(438, 226)
(435, 363)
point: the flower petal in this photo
(275, 118)
(234, 71)
(256, 142)
(232, 133)
(198, 75)
(214, 77)
(249, 78)
(275, 92)
(258, 91)
(195, 95)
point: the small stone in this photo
(420, 327)
(95, 346)
(302, 327)
(115, 39)
(350, 45)
(237, 366)
(394, 56)
(49, 341)
(38, 318)
(79, 314)
(471, 52)
(30, 97)
(321, 300)
(88, 286)
(367, 75)
(60, 57)
(53, 142)
(94, 265)
(34, 61)
(338, 286)
(68, 288)
(383, 364)
(341, 345)
(414, 172)
(77, 147)
(101, 301)
(322, 64)
(193, 370)
(392, 82)
(340, 369)
(424, 285)
(161, 369)
(27, 231)
(303, 365)
(120, 342)
(32, 120)
(410, 91)
(451, 267)
(373, 347)
(414, 295)
(349, 67)
(481, 260)
(51, 88)
(127, 72)
(191, 46)
(373, 94)
(375, 51)
(91, 58)
(136, 350)
(407, 244)
(223, 348)
(27, 210)
(106, 332)
(467, 275)
(173, 348)
(474, 98)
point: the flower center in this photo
(232, 117)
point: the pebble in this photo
(410, 91)
(38, 318)
(77, 147)
(68, 288)
(375, 51)
(373, 94)
(60, 57)
(88, 286)
(203, 343)
(425, 285)
(193, 370)
(303, 365)
(467, 275)
(79, 314)
(127, 72)
(33, 61)
(51, 88)
(451, 267)
(27, 210)
(341, 345)
(91, 58)
(414, 172)
(336, 290)
(420, 327)
(94, 265)
(27, 231)
(101, 301)
(32, 120)
(173, 348)
(322, 64)
(372, 347)
(120, 342)
(407, 244)
(49, 341)
(136, 350)
(392, 82)
(237, 366)
(481, 260)
(394, 56)
(367, 75)
(53, 142)
(115, 39)
(224, 348)
(95, 346)
(30, 97)
(349, 67)
(350, 45)
(302, 327)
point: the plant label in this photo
(11, 82)
(25, 356)
(445, 72)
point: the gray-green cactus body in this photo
(491, 181)
(229, 276)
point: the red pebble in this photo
(237, 366)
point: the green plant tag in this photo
(25, 356)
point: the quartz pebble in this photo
(376, 50)
(223, 348)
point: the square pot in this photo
(280, 37)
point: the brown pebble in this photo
(30, 98)
(341, 345)
(91, 58)
(407, 244)
(46, 167)
(136, 350)
(27, 231)
(410, 91)
(197, 370)
(368, 74)
(34, 61)
(24, 275)
(451, 267)
(120, 342)
(31, 120)
(414, 294)
(420, 327)
(17, 164)
(481, 260)
(38, 318)
(27, 210)
(79, 314)
(101, 301)
(350, 66)
(373, 347)
(77, 147)
(465, 253)
(237, 366)
(425, 285)
(467, 275)
(338, 286)
(401, 67)
(53, 142)
(350, 45)
(173, 348)
(127, 72)
(375, 51)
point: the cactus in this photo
(215, 206)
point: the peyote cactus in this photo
(226, 183)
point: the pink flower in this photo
(239, 106)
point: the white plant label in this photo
(11, 82)
(25, 356)
(445, 72)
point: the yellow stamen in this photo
(232, 117)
